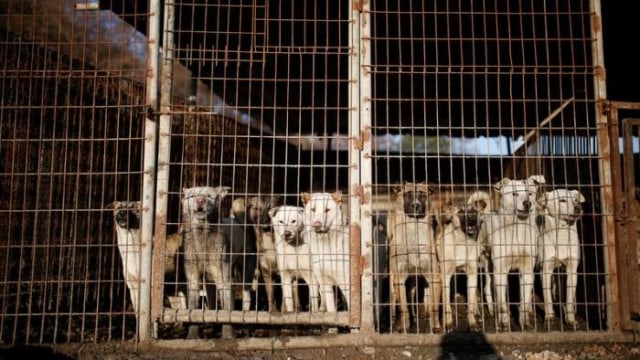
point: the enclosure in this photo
(127, 101)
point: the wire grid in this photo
(513, 81)
(260, 103)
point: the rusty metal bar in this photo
(360, 119)
(606, 179)
(162, 177)
(149, 174)
(630, 215)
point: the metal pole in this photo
(149, 175)
(360, 152)
(606, 179)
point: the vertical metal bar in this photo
(360, 127)
(606, 200)
(148, 185)
(631, 237)
(162, 177)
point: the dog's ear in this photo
(113, 205)
(272, 212)
(397, 189)
(305, 197)
(223, 191)
(578, 196)
(337, 196)
(537, 179)
(542, 200)
(497, 186)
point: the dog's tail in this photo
(481, 200)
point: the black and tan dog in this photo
(258, 208)
(412, 250)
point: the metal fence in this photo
(111, 112)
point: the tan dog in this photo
(512, 235)
(412, 249)
(457, 251)
(329, 242)
(258, 208)
(560, 245)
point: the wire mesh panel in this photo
(468, 97)
(306, 167)
(259, 116)
(71, 145)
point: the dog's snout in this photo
(415, 206)
(526, 204)
(200, 201)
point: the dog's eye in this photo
(562, 200)
(327, 210)
(293, 221)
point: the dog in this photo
(258, 208)
(206, 247)
(243, 250)
(328, 239)
(481, 202)
(458, 251)
(559, 244)
(127, 216)
(293, 256)
(412, 249)
(512, 235)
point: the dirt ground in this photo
(459, 345)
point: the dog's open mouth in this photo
(523, 214)
(416, 215)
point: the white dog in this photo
(512, 235)
(560, 245)
(293, 256)
(457, 251)
(126, 216)
(328, 239)
(412, 249)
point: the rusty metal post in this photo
(360, 153)
(149, 175)
(604, 148)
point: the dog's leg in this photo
(500, 279)
(287, 291)
(472, 294)
(435, 285)
(572, 283)
(400, 297)
(268, 287)
(547, 272)
(193, 294)
(448, 268)
(488, 286)
(526, 296)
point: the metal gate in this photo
(263, 102)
